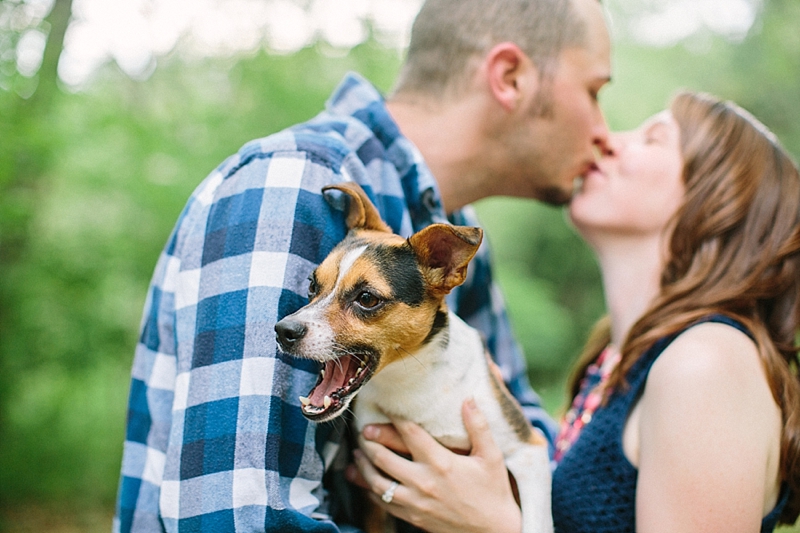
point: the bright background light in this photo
(666, 23)
(134, 33)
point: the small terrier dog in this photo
(378, 322)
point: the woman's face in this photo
(636, 187)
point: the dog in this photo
(378, 323)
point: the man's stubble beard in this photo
(541, 109)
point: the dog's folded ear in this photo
(361, 212)
(444, 251)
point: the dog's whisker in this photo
(339, 364)
(340, 430)
(410, 354)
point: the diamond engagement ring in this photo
(389, 494)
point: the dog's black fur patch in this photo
(439, 323)
(400, 269)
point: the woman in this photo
(685, 412)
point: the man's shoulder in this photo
(325, 143)
(290, 167)
(326, 140)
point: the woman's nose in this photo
(611, 145)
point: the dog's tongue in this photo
(336, 375)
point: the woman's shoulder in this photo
(708, 391)
(712, 364)
(709, 353)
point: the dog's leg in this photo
(530, 466)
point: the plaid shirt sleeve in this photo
(215, 437)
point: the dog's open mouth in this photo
(338, 382)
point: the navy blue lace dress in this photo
(594, 485)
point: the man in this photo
(495, 98)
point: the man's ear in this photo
(444, 251)
(512, 76)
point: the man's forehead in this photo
(598, 39)
(581, 64)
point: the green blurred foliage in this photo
(126, 156)
(92, 181)
(551, 286)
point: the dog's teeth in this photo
(304, 401)
(327, 401)
(322, 373)
(352, 380)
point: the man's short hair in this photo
(447, 33)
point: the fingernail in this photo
(371, 432)
(470, 403)
(350, 472)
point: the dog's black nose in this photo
(290, 332)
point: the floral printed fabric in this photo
(589, 398)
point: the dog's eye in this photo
(367, 300)
(313, 288)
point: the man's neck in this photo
(448, 137)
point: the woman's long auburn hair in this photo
(734, 250)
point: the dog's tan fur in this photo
(402, 329)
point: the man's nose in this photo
(602, 136)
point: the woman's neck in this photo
(631, 270)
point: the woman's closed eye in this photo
(656, 134)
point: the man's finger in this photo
(494, 369)
(352, 475)
(387, 435)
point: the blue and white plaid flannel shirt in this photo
(215, 437)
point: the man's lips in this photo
(586, 168)
(590, 170)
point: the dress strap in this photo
(725, 319)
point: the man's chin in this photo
(553, 196)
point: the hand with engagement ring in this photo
(439, 491)
(389, 494)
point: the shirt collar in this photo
(358, 98)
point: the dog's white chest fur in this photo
(430, 386)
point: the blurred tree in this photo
(127, 154)
(26, 150)
(25, 155)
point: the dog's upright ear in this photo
(361, 212)
(444, 251)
